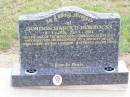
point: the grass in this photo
(10, 10)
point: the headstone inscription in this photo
(69, 46)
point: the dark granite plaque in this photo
(67, 44)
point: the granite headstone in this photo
(69, 46)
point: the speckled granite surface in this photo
(75, 78)
(80, 45)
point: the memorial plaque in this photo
(69, 46)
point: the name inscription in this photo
(69, 33)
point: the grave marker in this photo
(69, 46)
